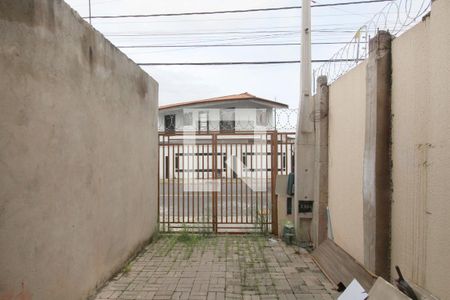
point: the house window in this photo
(227, 126)
(203, 123)
(187, 119)
(261, 117)
(227, 119)
(169, 123)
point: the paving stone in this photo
(220, 267)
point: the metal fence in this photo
(221, 182)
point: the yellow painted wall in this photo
(421, 152)
(346, 147)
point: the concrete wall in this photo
(420, 241)
(78, 138)
(347, 108)
(421, 152)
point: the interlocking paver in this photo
(219, 267)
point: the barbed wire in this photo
(285, 119)
(396, 17)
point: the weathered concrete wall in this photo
(319, 227)
(78, 142)
(347, 109)
(421, 152)
(377, 184)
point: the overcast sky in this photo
(181, 83)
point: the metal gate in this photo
(221, 182)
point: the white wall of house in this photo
(248, 116)
(247, 160)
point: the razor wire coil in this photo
(396, 17)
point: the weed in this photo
(126, 269)
(187, 237)
(168, 246)
(156, 236)
(190, 240)
(261, 225)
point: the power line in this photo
(162, 34)
(346, 13)
(226, 45)
(203, 33)
(233, 11)
(243, 62)
(90, 12)
(221, 40)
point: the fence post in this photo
(319, 223)
(274, 169)
(214, 178)
(377, 187)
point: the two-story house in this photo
(242, 112)
(243, 124)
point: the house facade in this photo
(234, 113)
(243, 129)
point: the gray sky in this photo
(181, 83)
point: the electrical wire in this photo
(234, 11)
(226, 45)
(156, 34)
(113, 21)
(219, 39)
(239, 63)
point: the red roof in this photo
(238, 97)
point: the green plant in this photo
(189, 239)
(156, 236)
(185, 236)
(261, 225)
(206, 231)
(126, 269)
(167, 246)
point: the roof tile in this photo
(243, 96)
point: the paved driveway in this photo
(219, 267)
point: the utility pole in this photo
(306, 52)
(304, 150)
(90, 13)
